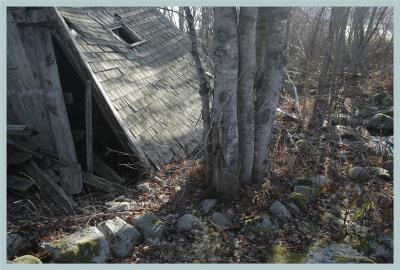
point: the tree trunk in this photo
(181, 19)
(247, 68)
(268, 95)
(204, 92)
(225, 147)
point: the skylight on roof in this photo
(126, 35)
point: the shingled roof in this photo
(151, 85)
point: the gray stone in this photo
(388, 165)
(294, 208)
(121, 236)
(85, 246)
(14, 243)
(380, 172)
(358, 173)
(222, 220)
(383, 253)
(318, 181)
(186, 222)
(27, 259)
(382, 122)
(307, 191)
(335, 253)
(280, 211)
(259, 224)
(145, 188)
(114, 206)
(208, 204)
(385, 239)
(151, 226)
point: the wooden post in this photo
(89, 130)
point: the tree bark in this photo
(225, 149)
(204, 92)
(247, 68)
(181, 19)
(268, 96)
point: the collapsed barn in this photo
(82, 82)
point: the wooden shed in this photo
(134, 63)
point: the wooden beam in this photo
(49, 187)
(103, 170)
(105, 185)
(21, 130)
(71, 179)
(89, 128)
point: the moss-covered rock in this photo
(27, 259)
(86, 246)
(303, 146)
(330, 252)
(259, 224)
(151, 226)
(380, 172)
(299, 199)
(280, 254)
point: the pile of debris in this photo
(28, 165)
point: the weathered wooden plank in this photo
(39, 49)
(103, 170)
(21, 130)
(89, 128)
(105, 185)
(71, 179)
(49, 187)
(23, 93)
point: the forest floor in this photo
(348, 209)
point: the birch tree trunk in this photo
(268, 95)
(247, 68)
(181, 19)
(225, 149)
(204, 93)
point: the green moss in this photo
(299, 199)
(27, 259)
(280, 254)
(82, 252)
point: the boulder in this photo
(358, 173)
(14, 243)
(121, 236)
(307, 191)
(186, 222)
(335, 253)
(208, 204)
(259, 224)
(151, 226)
(27, 259)
(381, 122)
(299, 199)
(380, 172)
(115, 206)
(145, 188)
(280, 211)
(389, 166)
(294, 208)
(222, 220)
(85, 246)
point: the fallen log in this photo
(105, 185)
